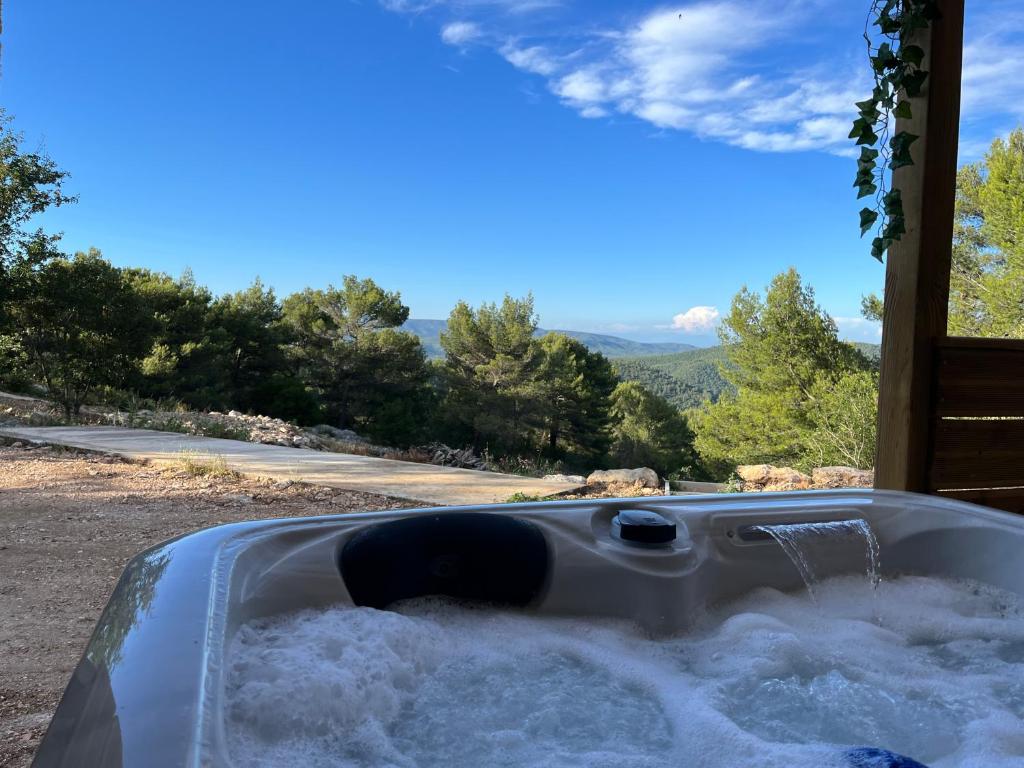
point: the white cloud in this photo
(771, 76)
(510, 6)
(460, 32)
(696, 320)
(581, 88)
(991, 74)
(535, 59)
(407, 6)
(695, 70)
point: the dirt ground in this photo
(68, 523)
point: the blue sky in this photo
(632, 164)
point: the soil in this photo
(69, 521)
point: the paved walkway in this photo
(407, 480)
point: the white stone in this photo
(643, 475)
(577, 479)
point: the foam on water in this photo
(929, 668)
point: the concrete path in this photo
(407, 480)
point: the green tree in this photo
(573, 389)
(871, 307)
(647, 431)
(490, 365)
(80, 326)
(30, 183)
(782, 350)
(181, 363)
(247, 332)
(987, 271)
(987, 278)
(843, 415)
(346, 348)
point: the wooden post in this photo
(917, 269)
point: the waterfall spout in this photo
(799, 540)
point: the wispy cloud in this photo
(535, 59)
(458, 33)
(993, 62)
(753, 75)
(699, 319)
(510, 6)
(701, 70)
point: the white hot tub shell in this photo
(149, 690)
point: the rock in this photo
(345, 435)
(446, 456)
(756, 474)
(239, 498)
(577, 479)
(234, 414)
(282, 485)
(786, 479)
(643, 476)
(842, 477)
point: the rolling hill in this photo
(685, 378)
(688, 378)
(429, 332)
(683, 374)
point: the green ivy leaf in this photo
(903, 110)
(912, 54)
(868, 109)
(878, 248)
(868, 217)
(865, 182)
(892, 203)
(882, 96)
(900, 146)
(913, 81)
(863, 131)
(894, 228)
(884, 59)
(867, 155)
(888, 24)
(863, 190)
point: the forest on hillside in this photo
(782, 388)
(685, 379)
(688, 379)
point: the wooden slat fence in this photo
(976, 445)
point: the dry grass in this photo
(197, 464)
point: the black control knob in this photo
(643, 527)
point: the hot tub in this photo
(162, 682)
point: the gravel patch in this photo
(69, 521)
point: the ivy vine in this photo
(899, 78)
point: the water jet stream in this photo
(798, 540)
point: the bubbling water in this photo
(929, 668)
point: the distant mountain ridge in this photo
(686, 379)
(429, 333)
(683, 374)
